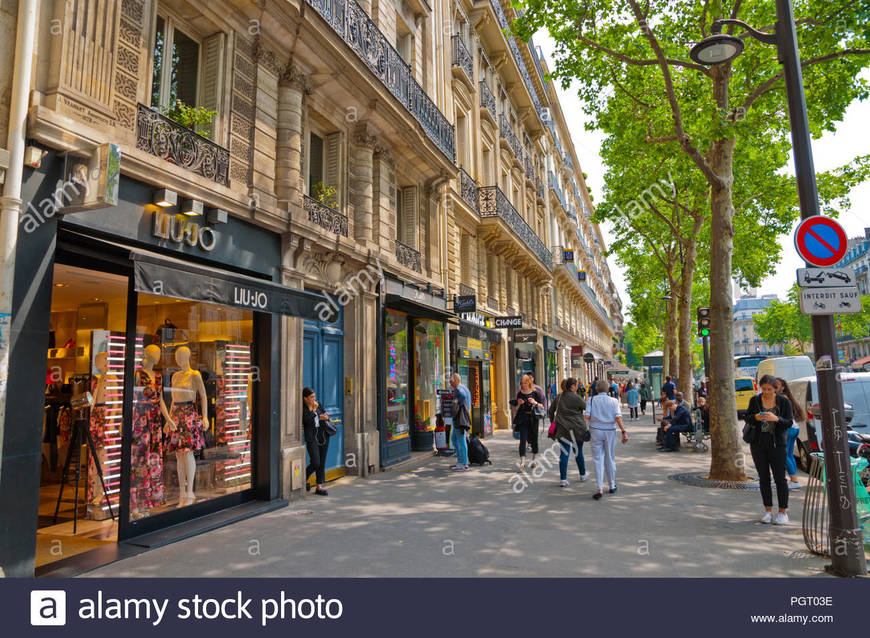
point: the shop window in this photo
(407, 216)
(398, 417)
(187, 73)
(193, 403)
(429, 375)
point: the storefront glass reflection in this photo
(429, 372)
(397, 376)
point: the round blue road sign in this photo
(820, 241)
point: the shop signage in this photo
(508, 322)
(465, 303)
(525, 336)
(576, 361)
(180, 229)
(589, 357)
(581, 275)
(474, 344)
(567, 256)
(473, 317)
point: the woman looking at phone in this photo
(770, 414)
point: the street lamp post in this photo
(847, 549)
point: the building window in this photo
(324, 166)
(187, 71)
(407, 216)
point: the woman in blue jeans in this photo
(798, 415)
(566, 411)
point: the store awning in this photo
(859, 364)
(157, 274)
(415, 302)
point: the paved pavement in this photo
(430, 522)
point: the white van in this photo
(787, 368)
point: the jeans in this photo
(528, 435)
(317, 460)
(460, 445)
(632, 412)
(603, 450)
(565, 454)
(768, 460)
(672, 436)
(790, 464)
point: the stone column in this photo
(288, 164)
(360, 174)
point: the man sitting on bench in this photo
(681, 422)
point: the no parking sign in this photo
(820, 241)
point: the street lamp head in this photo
(719, 48)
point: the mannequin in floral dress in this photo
(98, 427)
(146, 453)
(185, 423)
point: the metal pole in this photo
(847, 549)
(706, 343)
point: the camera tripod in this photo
(81, 434)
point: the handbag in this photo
(750, 433)
(331, 430)
(551, 433)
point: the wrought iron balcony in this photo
(539, 186)
(529, 165)
(169, 140)
(468, 188)
(409, 257)
(508, 134)
(494, 203)
(492, 302)
(361, 34)
(487, 99)
(515, 52)
(462, 58)
(325, 216)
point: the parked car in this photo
(856, 399)
(745, 388)
(787, 368)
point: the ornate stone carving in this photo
(131, 34)
(133, 9)
(125, 114)
(241, 127)
(128, 60)
(125, 86)
(243, 67)
(268, 59)
(293, 78)
(238, 171)
(244, 47)
(242, 85)
(243, 107)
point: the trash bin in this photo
(815, 521)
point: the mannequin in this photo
(146, 452)
(98, 426)
(185, 424)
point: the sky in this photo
(851, 139)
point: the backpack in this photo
(477, 452)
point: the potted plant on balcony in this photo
(197, 118)
(325, 194)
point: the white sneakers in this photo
(585, 477)
(563, 483)
(794, 485)
(781, 518)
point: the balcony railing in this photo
(353, 25)
(494, 203)
(487, 99)
(539, 186)
(169, 140)
(518, 58)
(468, 188)
(462, 58)
(325, 216)
(492, 302)
(508, 134)
(529, 165)
(409, 257)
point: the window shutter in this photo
(409, 217)
(334, 173)
(212, 78)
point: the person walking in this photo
(526, 420)
(566, 411)
(632, 398)
(669, 389)
(539, 390)
(314, 429)
(768, 417)
(798, 416)
(604, 417)
(461, 412)
(645, 395)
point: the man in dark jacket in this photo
(682, 422)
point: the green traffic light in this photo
(705, 332)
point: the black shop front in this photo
(144, 376)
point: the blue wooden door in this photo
(323, 370)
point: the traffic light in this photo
(703, 322)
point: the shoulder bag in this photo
(551, 433)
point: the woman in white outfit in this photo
(604, 416)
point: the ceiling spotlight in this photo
(191, 207)
(165, 198)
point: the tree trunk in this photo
(727, 460)
(673, 327)
(690, 259)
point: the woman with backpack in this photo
(526, 420)
(566, 412)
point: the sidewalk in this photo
(430, 522)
